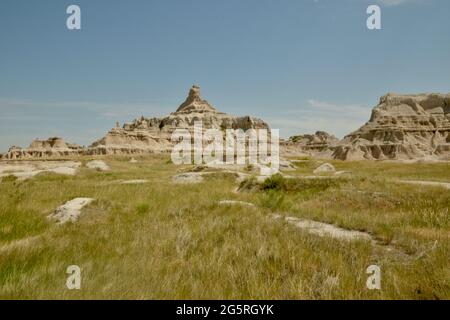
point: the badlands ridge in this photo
(401, 127)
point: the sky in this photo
(301, 65)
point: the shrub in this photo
(275, 182)
(8, 178)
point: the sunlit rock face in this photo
(143, 135)
(149, 135)
(51, 147)
(402, 127)
(319, 145)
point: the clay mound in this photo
(402, 127)
(317, 145)
(153, 135)
(52, 147)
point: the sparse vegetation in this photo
(168, 241)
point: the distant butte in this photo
(145, 135)
(402, 127)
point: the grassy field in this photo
(167, 241)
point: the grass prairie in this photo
(160, 240)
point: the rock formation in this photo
(144, 135)
(402, 127)
(52, 147)
(319, 145)
(149, 135)
(325, 168)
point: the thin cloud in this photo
(349, 109)
(315, 115)
(25, 107)
(82, 122)
(392, 3)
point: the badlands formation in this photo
(143, 135)
(402, 127)
(52, 147)
(318, 145)
(150, 135)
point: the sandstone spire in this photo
(195, 103)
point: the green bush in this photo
(275, 182)
(8, 178)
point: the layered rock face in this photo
(149, 135)
(319, 144)
(402, 127)
(143, 135)
(52, 147)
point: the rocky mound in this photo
(319, 144)
(402, 127)
(52, 147)
(148, 135)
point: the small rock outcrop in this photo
(52, 147)
(98, 165)
(325, 168)
(70, 211)
(28, 169)
(402, 127)
(319, 144)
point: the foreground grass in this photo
(164, 241)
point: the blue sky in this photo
(301, 65)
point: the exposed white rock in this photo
(188, 178)
(235, 202)
(136, 181)
(70, 211)
(198, 176)
(325, 168)
(427, 183)
(324, 229)
(64, 170)
(98, 165)
(286, 165)
(28, 169)
(343, 172)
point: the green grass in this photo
(165, 241)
